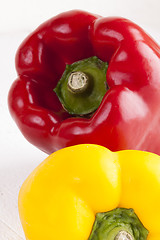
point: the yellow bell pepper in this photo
(88, 192)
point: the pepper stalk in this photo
(118, 224)
(83, 86)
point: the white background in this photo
(17, 19)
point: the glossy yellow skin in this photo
(60, 198)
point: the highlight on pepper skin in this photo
(88, 192)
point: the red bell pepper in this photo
(128, 116)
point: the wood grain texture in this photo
(7, 233)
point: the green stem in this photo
(118, 224)
(83, 86)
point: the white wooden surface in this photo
(17, 157)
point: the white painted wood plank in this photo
(7, 233)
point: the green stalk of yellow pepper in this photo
(87, 192)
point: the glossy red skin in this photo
(129, 115)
